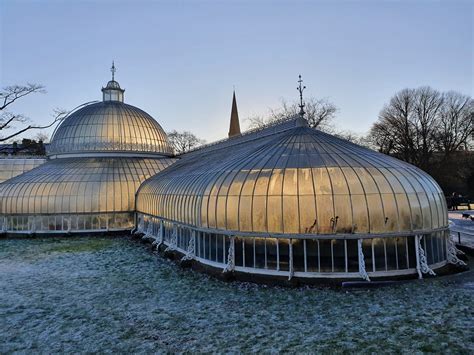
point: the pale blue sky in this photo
(179, 60)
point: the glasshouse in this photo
(281, 202)
(290, 201)
(98, 157)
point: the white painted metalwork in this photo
(452, 253)
(190, 252)
(173, 245)
(141, 225)
(290, 266)
(230, 266)
(362, 271)
(422, 263)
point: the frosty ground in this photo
(114, 295)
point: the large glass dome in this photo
(109, 126)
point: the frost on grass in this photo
(113, 295)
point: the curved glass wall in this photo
(325, 257)
(109, 126)
(73, 194)
(299, 181)
(11, 167)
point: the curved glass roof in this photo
(109, 126)
(11, 167)
(78, 185)
(292, 179)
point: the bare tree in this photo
(455, 128)
(42, 137)
(319, 113)
(183, 141)
(418, 123)
(13, 124)
(407, 125)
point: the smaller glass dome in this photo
(110, 126)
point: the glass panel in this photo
(259, 214)
(290, 182)
(360, 211)
(325, 213)
(245, 210)
(220, 248)
(379, 252)
(271, 253)
(428, 247)
(249, 247)
(391, 251)
(339, 255)
(402, 252)
(283, 248)
(298, 255)
(367, 250)
(404, 212)
(274, 214)
(312, 255)
(290, 214)
(232, 212)
(260, 253)
(238, 250)
(325, 255)
(308, 217)
(411, 252)
(376, 213)
(343, 211)
(352, 255)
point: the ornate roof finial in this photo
(300, 89)
(113, 70)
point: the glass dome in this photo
(290, 201)
(300, 181)
(109, 127)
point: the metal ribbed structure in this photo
(298, 181)
(79, 185)
(109, 126)
(11, 167)
(98, 157)
(290, 201)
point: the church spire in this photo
(234, 129)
